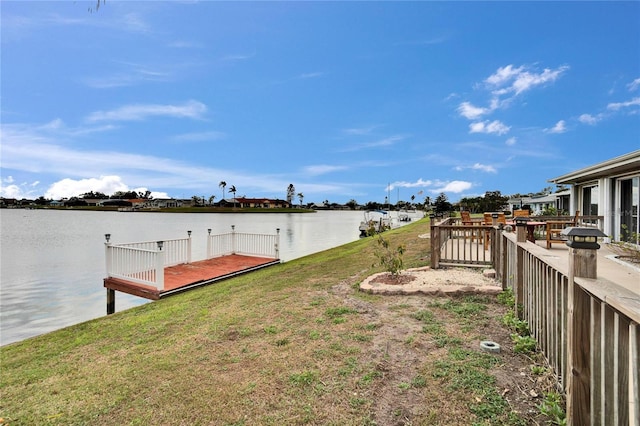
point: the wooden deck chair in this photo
(466, 218)
(554, 229)
(488, 220)
(521, 213)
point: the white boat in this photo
(374, 222)
(403, 216)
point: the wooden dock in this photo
(156, 269)
(179, 278)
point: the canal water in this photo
(52, 262)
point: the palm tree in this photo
(222, 185)
(301, 197)
(213, 197)
(291, 191)
(233, 191)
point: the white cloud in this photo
(518, 80)
(199, 136)
(191, 109)
(560, 127)
(417, 184)
(634, 85)
(390, 141)
(321, 169)
(589, 119)
(511, 141)
(477, 166)
(68, 187)
(10, 189)
(436, 186)
(455, 186)
(472, 112)
(360, 130)
(503, 75)
(619, 105)
(495, 126)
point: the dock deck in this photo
(187, 276)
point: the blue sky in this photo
(344, 100)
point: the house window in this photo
(630, 209)
(590, 202)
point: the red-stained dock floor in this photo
(184, 277)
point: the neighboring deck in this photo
(155, 269)
(185, 277)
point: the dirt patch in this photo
(452, 281)
(402, 352)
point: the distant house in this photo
(537, 204)
(163, 203)
(610, 189)
(264, 203)
(8, 202)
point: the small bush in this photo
(552, 407)
(388, 258)
(524, 344)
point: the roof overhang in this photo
(616, 166)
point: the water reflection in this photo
(52, 262)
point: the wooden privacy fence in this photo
(587, 328)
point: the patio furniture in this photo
(554, 229)
(466, 218)
(488, 220)
(520, 213)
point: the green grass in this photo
(277, 346)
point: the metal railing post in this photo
(233, 239)
(209, 243)
(277, 243)
(107, 253)
(160, 266)
(189, 247)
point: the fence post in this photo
(277, 243)
(583, 257)
(435, 243)
(111, 301)
(160, 266)
(518, 283)
(209, 243)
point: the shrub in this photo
(389, 258)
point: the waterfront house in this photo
(611, 190)
(265, 203)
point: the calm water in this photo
(52, 263)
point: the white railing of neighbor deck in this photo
(260, 245)
(144, 262)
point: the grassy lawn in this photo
(292, 344)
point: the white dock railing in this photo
(144, 262)
(260, 245)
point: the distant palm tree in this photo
(291, 192)
(233, 191)
(301, 197)
(213, 197)
(222, 185)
